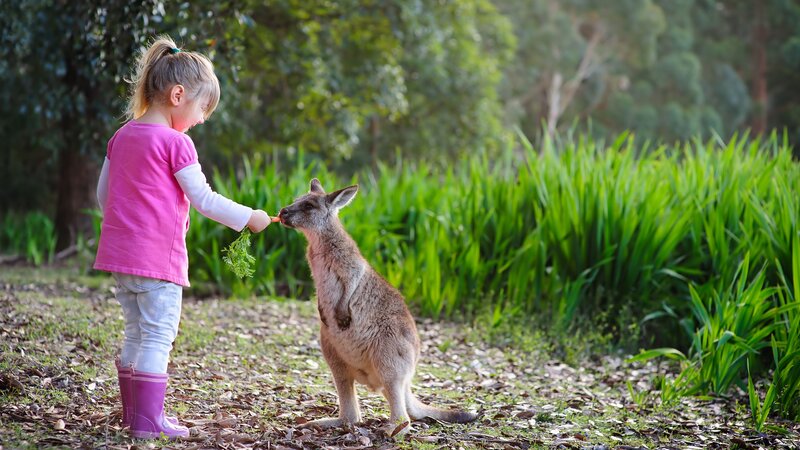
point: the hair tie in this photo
(174, 50)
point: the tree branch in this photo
(559, 99)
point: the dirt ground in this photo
(249, 373)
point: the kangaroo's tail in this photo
(418, 410)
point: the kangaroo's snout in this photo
(284, 215)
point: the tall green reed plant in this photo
(608, 217)
(734, 325)
(784, 390)
(31, 236)
(786, 340)
(520, 233)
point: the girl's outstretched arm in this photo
(209, 203)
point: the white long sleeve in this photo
(208, 203)
(102, 186)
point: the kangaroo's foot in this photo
(396, 429)
(329, 422)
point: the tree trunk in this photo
(760, 98)
(75, 193)
(561, 94)
(75, 168)
(554, 103)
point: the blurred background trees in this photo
(668, 70)
(353, 82)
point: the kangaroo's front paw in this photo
(397, 430)
(343, 319)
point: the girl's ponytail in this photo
(163, 65)
(139, 100)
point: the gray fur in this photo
(367, 333)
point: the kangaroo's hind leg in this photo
(349, 411)
(399, 421)
(396, 367)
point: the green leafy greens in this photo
(237, 256)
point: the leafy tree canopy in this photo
(357, 81)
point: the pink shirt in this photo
(146, 215)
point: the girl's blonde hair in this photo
(160, 67)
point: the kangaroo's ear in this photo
(342, 197)
(316, 187)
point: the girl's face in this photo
(185, 110)
(188, 114)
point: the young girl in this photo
(149, 178)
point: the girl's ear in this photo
(342, 197)
(177, 94)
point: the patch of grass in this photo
(64, 274)
(19, 436)
(49, 396)
(64, 319)
(195, 337)
(639, 397)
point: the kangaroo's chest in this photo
(336, 292)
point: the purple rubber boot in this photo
(126, 395)
(148, 420)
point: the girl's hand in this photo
(258, 221)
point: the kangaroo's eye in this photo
(307, 207)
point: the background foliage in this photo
(685, 238)
(360, 81)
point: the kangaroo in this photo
(367, 333)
